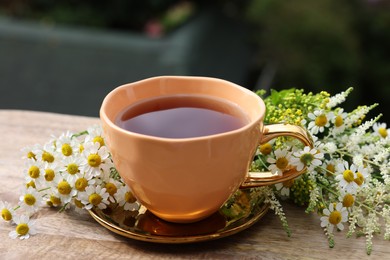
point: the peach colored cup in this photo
(188, 179)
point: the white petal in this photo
(13, 234)
(271, 160)
(316, 162)
(326, 212)
(24, 219)
(340, 226)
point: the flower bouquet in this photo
(347, 181)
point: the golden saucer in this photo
(143, 225)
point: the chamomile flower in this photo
(339, 122)
(362, 176)
(94, 196)
(47, 153)
(280, 163)
(28, 152)
(79, 207)
(24, 227)
(6, 210)
(319, 121)
(309, 157)
(95, 135)
(95, 159)
(30, 200)
(54, 199)
(112, 186)
(264, 149)
(125, 198)
(66, 144)
(334, 216)
(82, 183)
(346, 175)
(381, 130)
(35, 171)
(71, 168)
(64, 187)
(329, 167)
(50, 171)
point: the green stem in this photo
(263, 163)
(323, 186)
(80, 134)
(62, 209)
(48, 188)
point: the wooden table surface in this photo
(78, 236)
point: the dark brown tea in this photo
(182, 116)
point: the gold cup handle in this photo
(257, 179)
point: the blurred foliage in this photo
(130, 15)
(325, 45)
(312, 44)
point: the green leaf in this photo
(278, 96)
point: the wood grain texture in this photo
(72, 235)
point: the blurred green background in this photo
(311, 44)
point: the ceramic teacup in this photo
(188, 179)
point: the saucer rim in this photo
(256, 214)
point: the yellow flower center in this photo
(321, 120)
(339, 121)
(335, 217)
(55, 200)
(81, 184)
(306, 158)
(348, 200)
(49, 174)
(81, 148)
(359, 179)
(94, 160)
(98, 139)
(31, 155)
(30, 184)
(129, 197)
(111, 188)
(6, 214)
(383, 132)
(33, 172)
(47, 157)
(266, 148)
(64, 188)
(72, 168)
(66, 150)
(348, 176)
(281, 163)
(95, 199)
(22, 229)
(29, 199)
